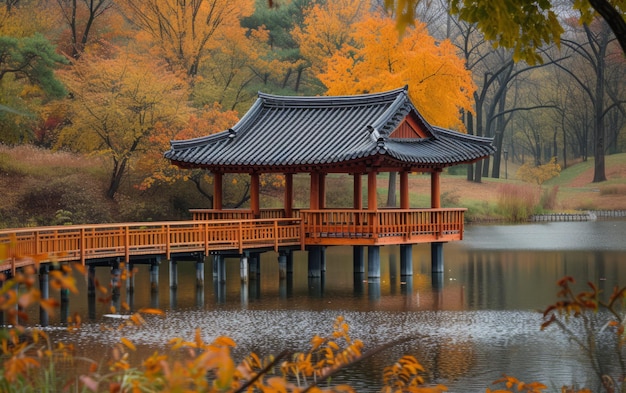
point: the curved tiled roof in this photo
(281, 133)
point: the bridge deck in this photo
(233, 231)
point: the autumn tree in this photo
(207, 121)
(439, 84)
(326, 29)
(117, 104)
(183, 32)
(524, 26)
(81, 18)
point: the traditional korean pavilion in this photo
(360, 135)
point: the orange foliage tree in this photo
(208, 121)
(377, 60)
(327, 28)
(117, 104)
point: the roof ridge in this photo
(363, 99)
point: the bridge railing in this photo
(82, 242)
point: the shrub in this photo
(548, 198)
(539, 174)
(517, 203)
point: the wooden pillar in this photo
(220, 264)
(372, 201)
(130, 278)
(288, 194)
(314, 192)
(217, 190)
(254, 194)
(322, 191)
(435, 190)
(358, 187)
(404, 190)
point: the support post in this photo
(154, 276)
(91, 280)
(44, 289)
(436, 253)
(173, 274)
(372, 200)
(220, 261)
(115, 277)
(288, 194)
(130, 278)
(435, 190)
(282, 265)
(357, 192)
(200, 271)
(373, 261)
(404, 190)
(254, 195)
(322, 191)
(406, 259)
(289, 256)
(243, 268)
(217, 190)
(358, 259)
(315, 261)
(314, 191)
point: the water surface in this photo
(478, 320)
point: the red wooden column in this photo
(358, 187)
(217, 190)
(322, 190)
(404, 190)
(435, 189)
(254, 194)
(372, 202)
(314, 192)
(288, 194)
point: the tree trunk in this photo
(119, 167)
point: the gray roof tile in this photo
(281, 133)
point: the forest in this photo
(111, 82)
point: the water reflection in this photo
(469, 324)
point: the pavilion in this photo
(360, 135)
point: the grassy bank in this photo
(41, 187)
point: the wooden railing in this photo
(388, 226)
(238, 214)
(225, 233)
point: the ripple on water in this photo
(465, 350)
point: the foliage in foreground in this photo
(30, 359)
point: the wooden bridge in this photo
(228, 231)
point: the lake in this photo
(468, 326)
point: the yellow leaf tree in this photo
(439, 84)
(117, 104)
(183, 32)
